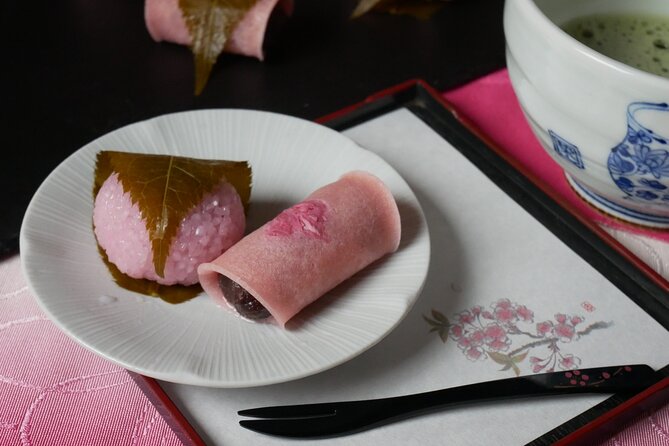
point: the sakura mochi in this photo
(158, 217)
(164, 21)
(306, 250)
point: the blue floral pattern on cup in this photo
(566, 150)
(639, 165)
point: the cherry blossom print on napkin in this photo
(507, 333)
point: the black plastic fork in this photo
(339, 418)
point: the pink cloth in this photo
(55, 392)
(491, 105)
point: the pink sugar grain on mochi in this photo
(208, 230)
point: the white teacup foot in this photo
(616, 210)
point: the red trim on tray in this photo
(168, 410)
(406, 85)
(615, 419)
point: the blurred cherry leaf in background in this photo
(421, 9)
(210, 24)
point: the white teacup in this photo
(604, 122)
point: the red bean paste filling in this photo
(245, 304)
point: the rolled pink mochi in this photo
(311, 247)
(164, 22)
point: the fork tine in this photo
(318, 420)
(298, 428)
(287, 412)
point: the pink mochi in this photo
(203, 234)
(164, 22)
(311, 247)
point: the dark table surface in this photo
(76, 69)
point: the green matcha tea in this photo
(638, 40)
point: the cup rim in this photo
(536, 15)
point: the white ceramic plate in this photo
(197, 342)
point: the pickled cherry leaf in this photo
(174, 294)
(363, 7)
(210, 24)
(166, 188)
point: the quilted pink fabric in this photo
(54, 392)
(649, 430)
(490, 103)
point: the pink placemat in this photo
(491, 105)
(54, 392)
